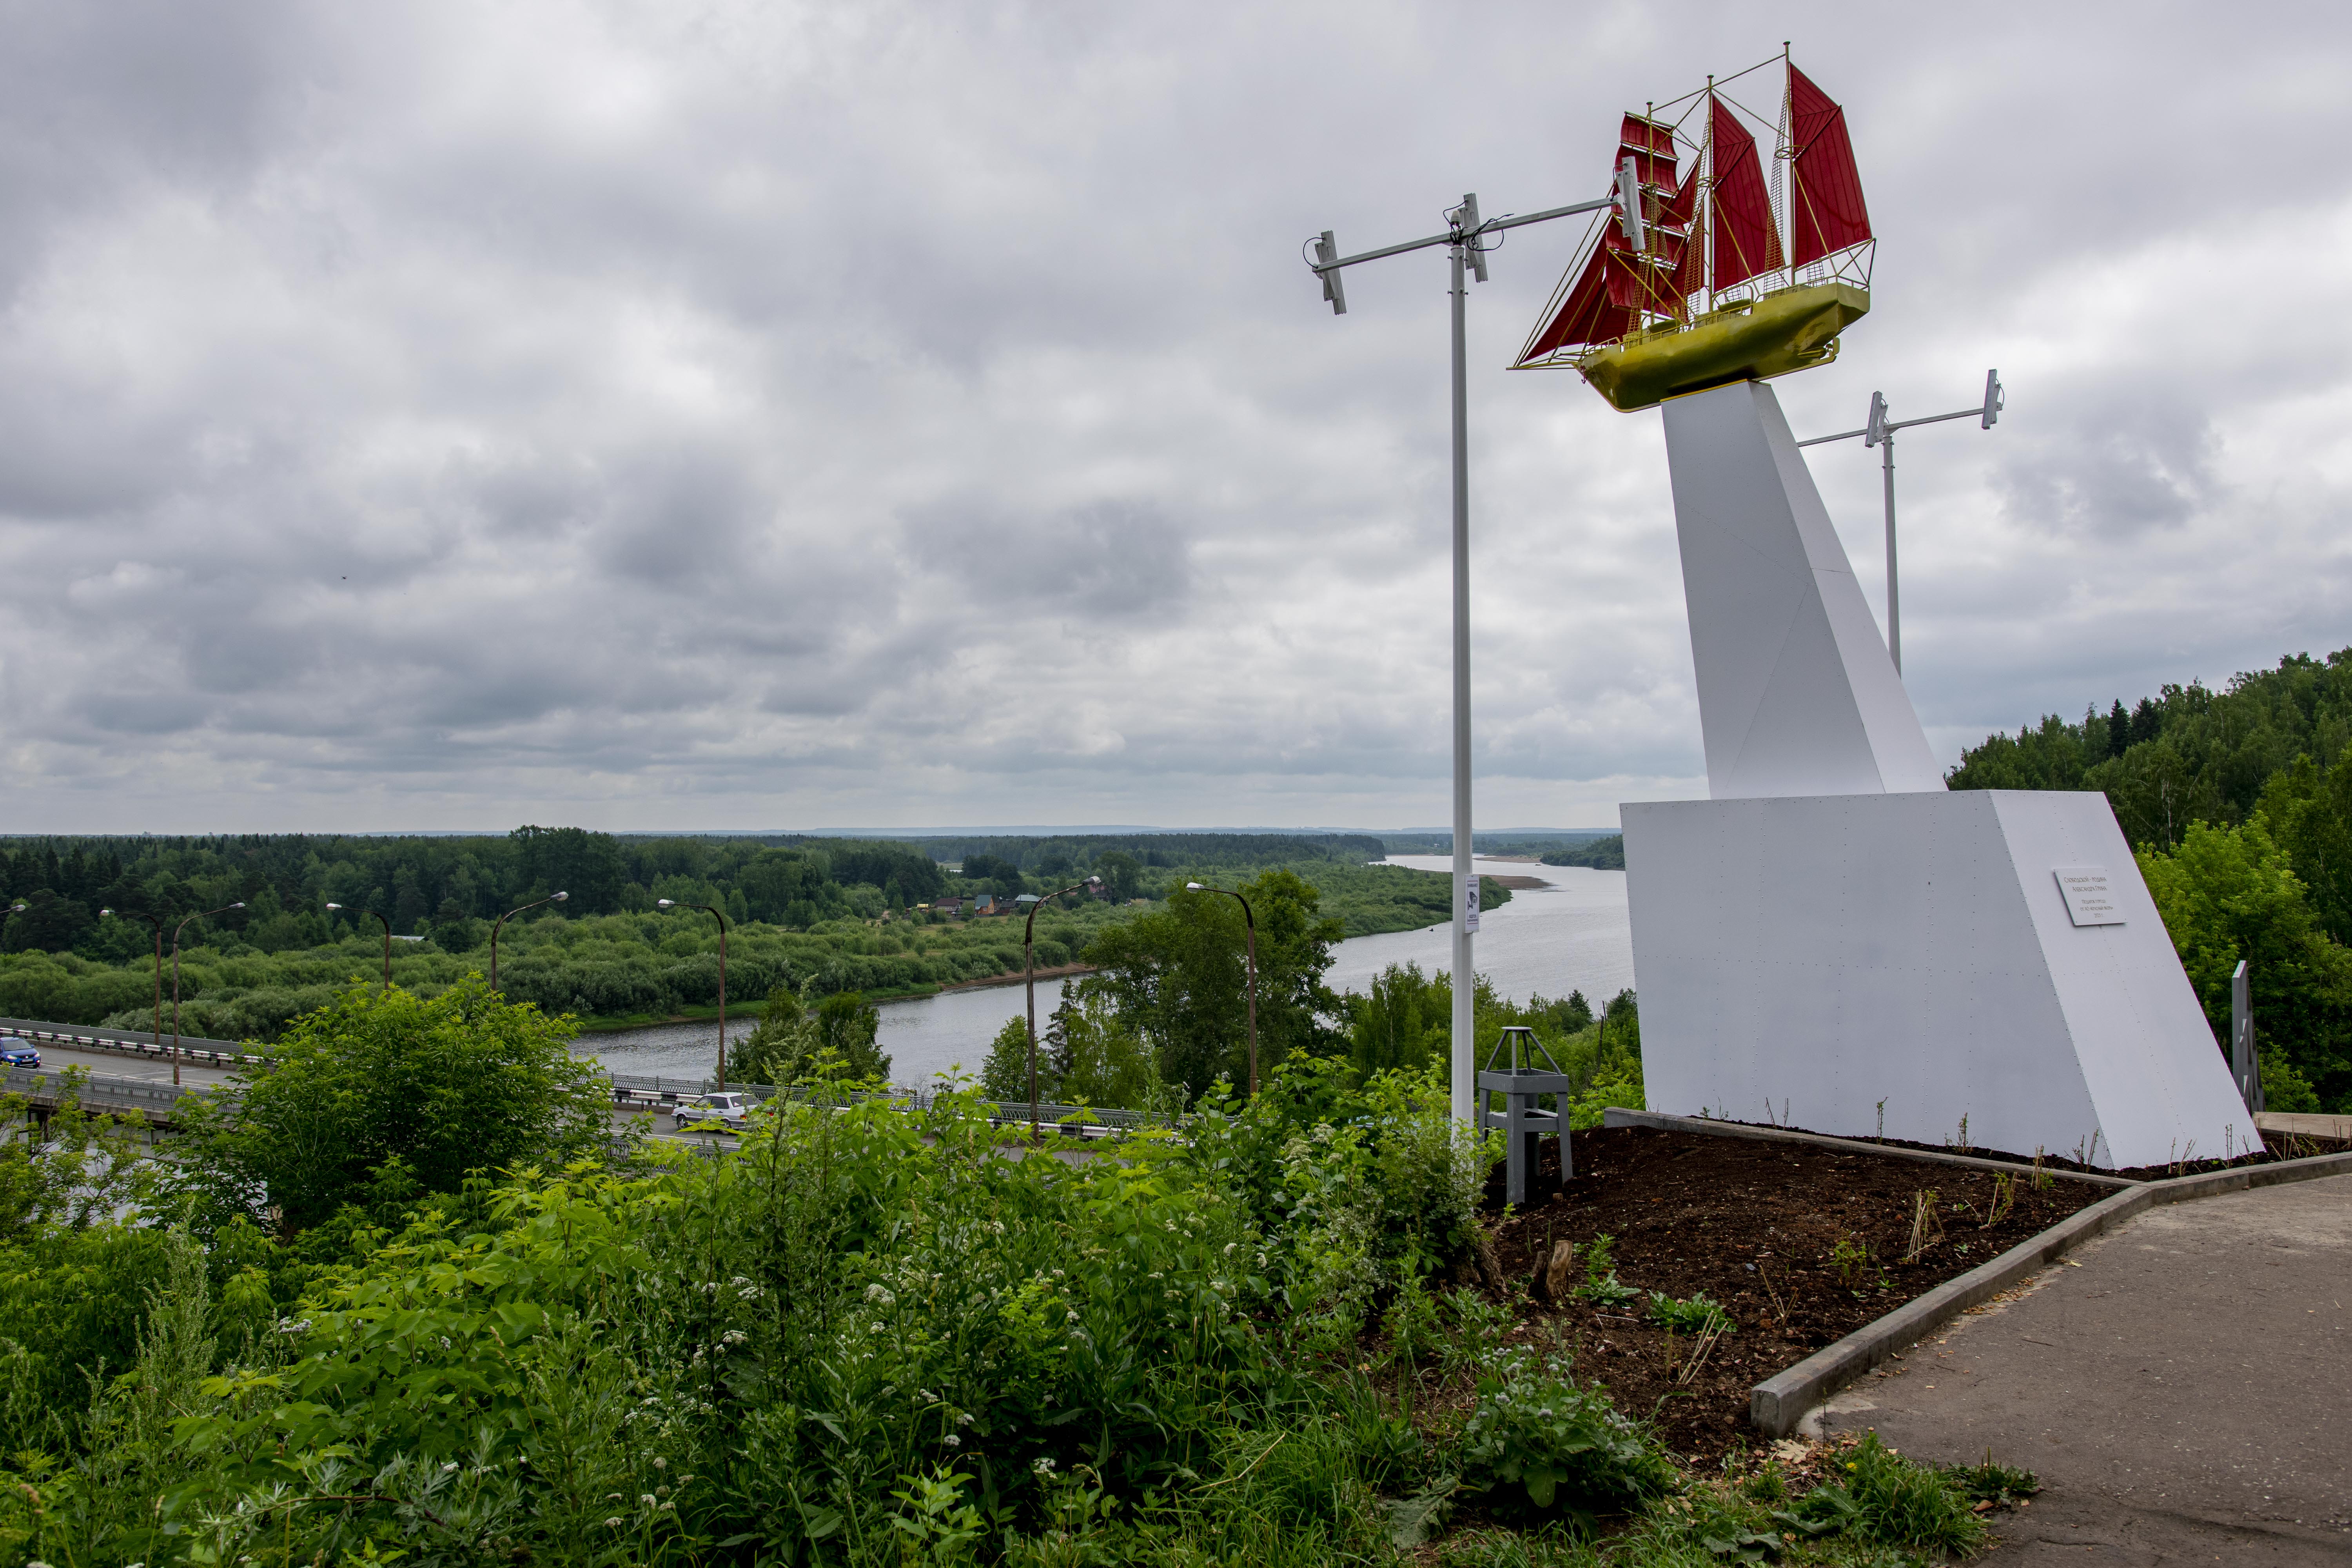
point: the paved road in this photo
(2184, 1389)
(107, 1064)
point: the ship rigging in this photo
(1728, 276)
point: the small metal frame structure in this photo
(1522, 1124)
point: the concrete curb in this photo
(1616, 1117)
(1778, 1404)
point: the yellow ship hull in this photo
(1788, 329)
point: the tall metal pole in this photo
(1464, 1040)
(1465, 230)
(1249, 925)
(714, 914)
(1880, 432)
(1894, 600)
(157, 922)
(1029, 973)
(499, 926)
(387, 943)
(176, 930)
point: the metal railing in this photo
(631, 1091)
(125, 1042)
(99, 1091)
(634, 1091)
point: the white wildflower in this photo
(879, 1296)
(1044, 1467)
(953, 1441)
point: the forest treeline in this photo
(422, 882)
(2239, 803)
(821, 916)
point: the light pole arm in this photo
(1461, 236)
(1029, 979)
(672, 904)
(1249, 925)
(550, 898)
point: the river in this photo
(1569, 935)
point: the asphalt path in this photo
(2180, 1385)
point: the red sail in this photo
(1588, 314)
(1650, 145)
(1747, 241)
(1827, 213)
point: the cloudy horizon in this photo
(657, 418)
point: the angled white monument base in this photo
(1817, 961)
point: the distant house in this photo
(984, 904)
(950, 906)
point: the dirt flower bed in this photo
(1798, 1246)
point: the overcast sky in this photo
(682, 416)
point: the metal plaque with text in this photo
(2090, 896)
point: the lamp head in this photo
(1193, 888)
(1326, 251)
(240, 904)
(557, 897)
(1466, 216)
(335, 906)
(1875, 431)
(664, 904)
(1629, 202)
(106, 911)
(1996, 396)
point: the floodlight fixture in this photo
(1629, 202)
(1878, 431)
(1464, 240)
(1327, 257)
(1466, 218)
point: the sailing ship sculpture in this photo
(1832, 933)
(1702, 290)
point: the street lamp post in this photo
(157, 921)
(387, 942)
(1029, 970)
(1249, 922)
(175, 980)
(1465, 230)
(550, 898)
(1880, 432)
(714, 914)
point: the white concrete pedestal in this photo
(1811, 960)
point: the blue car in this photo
(17, 1053)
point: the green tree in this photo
(849, 1028)
(2227, 894)
(781, 1049)
(1121, 872)
(1179, 977)
(459, 1082)
(1403, 1020)
(1004, 1075)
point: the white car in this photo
(713, 1113)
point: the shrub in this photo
(1537, 1442)
(1694, 1316)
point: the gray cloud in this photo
(656, 416)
